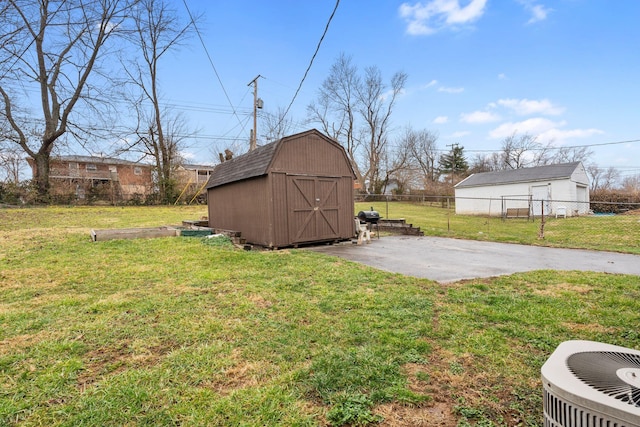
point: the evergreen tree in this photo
(455, 162)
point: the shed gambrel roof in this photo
(249, 165)
(252, 164)
(539, 173)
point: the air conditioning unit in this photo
(591, 384)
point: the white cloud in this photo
(479, 117)
(546, 130)
(538, 11)
(526, 107)
(559, 135)
(434, 83)
(187, 155)
(434, 15)
(430, 84)
(502, 76)
(451, 89)
(441, 120)
(535, 126)
(389, 94)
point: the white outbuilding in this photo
(560, 190)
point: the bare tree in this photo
(277, 125)
(631, 185)
(57, 47)
(160, 134)
(521, 151)
(396, 164)
(166, 155)
(571, 154)
(336, 107)
(356, 111)
(375, 107)
(602, 179)
(11, 163)
(422, 146)
(486, 163)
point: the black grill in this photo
(371, 216)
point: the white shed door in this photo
(540, 196)
(583, 199)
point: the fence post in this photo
(387, 213)
(542, 221)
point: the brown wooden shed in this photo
(296, 190)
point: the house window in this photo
(137, 170)
(73, 166)
(113, 169)
(91, 167)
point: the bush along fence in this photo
(517, 218)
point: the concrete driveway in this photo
(448, 260)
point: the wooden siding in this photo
(280, 208)
(242, 206)
(311, 155)
(304, 195)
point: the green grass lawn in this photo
(183, 331)
(620, 233)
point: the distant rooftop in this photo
(98, 159)
(201, 167)
(539, 173)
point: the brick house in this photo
(85, 177)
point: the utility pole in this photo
(257, 103)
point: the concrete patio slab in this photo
(449, 260)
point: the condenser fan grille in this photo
(616, 374)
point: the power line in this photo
(326, 28)
(563, 146)
(193, 22)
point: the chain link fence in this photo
(602, 225)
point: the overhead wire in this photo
(562, 147)
(193, 22)
(326, 29)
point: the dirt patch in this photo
(556, 290)
(437, 415)
(243, 374)
(437, 412)
(633, 212)
(579, 327)
(259, 301)
(459, 389)
(19, 343)
(240, 376)
(118, 358)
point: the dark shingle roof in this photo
(100, 160)
(250, 165)
(540, 173)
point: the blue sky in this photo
(566, 71)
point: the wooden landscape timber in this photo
(188, 229)
(133, 233)
(398, 226)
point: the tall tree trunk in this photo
(41, 176)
